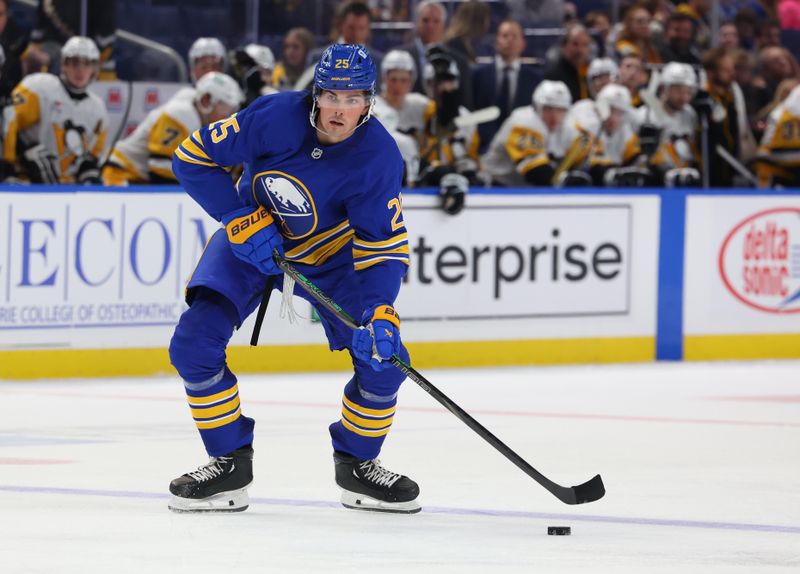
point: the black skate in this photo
(366, 485)
(219, 486)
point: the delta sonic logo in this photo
(289, 201)
(151, 99)
(114, 99)
(759, 261)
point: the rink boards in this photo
(92, 282)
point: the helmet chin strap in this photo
(361, 123)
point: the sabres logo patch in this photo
(289, 200)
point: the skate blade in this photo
(230, 501)
(363, 502)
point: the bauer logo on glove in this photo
(242, 228)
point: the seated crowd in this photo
(652, 101)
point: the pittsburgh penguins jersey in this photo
(145, 156)
(410, 118)
(456, 148)
(519, 147)
(677, 146)
(338, 207)
(68, 126)
(587, 145)
(186, 93)
(779, 152)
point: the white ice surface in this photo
(701, 463)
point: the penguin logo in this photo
(289, 201)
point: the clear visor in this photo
(342, 101)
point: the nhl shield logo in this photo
(289, 201)
(316, 153)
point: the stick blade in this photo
(589, 491)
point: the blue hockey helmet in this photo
(345, 67)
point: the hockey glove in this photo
(253, 235)
(379, 338)
(40, 165)
(88, 170)
(452, 189)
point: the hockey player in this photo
(321, 184)
(55, 129)
(145, 157)
(674, 161)
(252, 66)
(397, 107)
(402, 111)
(601, 72)
(601, 147)
(520, 151)
(205, 55)
(778, 158)
(449, 155)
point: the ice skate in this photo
(219, 486)
(366, 485)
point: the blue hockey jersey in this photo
(339, 206)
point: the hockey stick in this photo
(587, 492)
(262, 310)
(480, 116)
(737, 165)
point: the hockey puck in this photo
(559, 530)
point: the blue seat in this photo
(791, 41)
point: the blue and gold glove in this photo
(379, 338)
(253, 235)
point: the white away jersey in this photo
(42, 111)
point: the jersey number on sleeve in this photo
(397, 204)
(221, 129)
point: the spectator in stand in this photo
(351, 25)
(698, 11)
(598, 23)
(297, 44)
(728, 36)
(536, 12)
(721, 102)
(470, 22)
(14, 42)
(678, 43)
(763, 9)
(775, 64)
(635, 36)
(768, 35)
(753, 88)
(59, 20)
(746, 23)
(504, 83)
(573, 62)
(789, 14)
(428, 31)
(761, 118)
(633, 76)
(728, 9)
